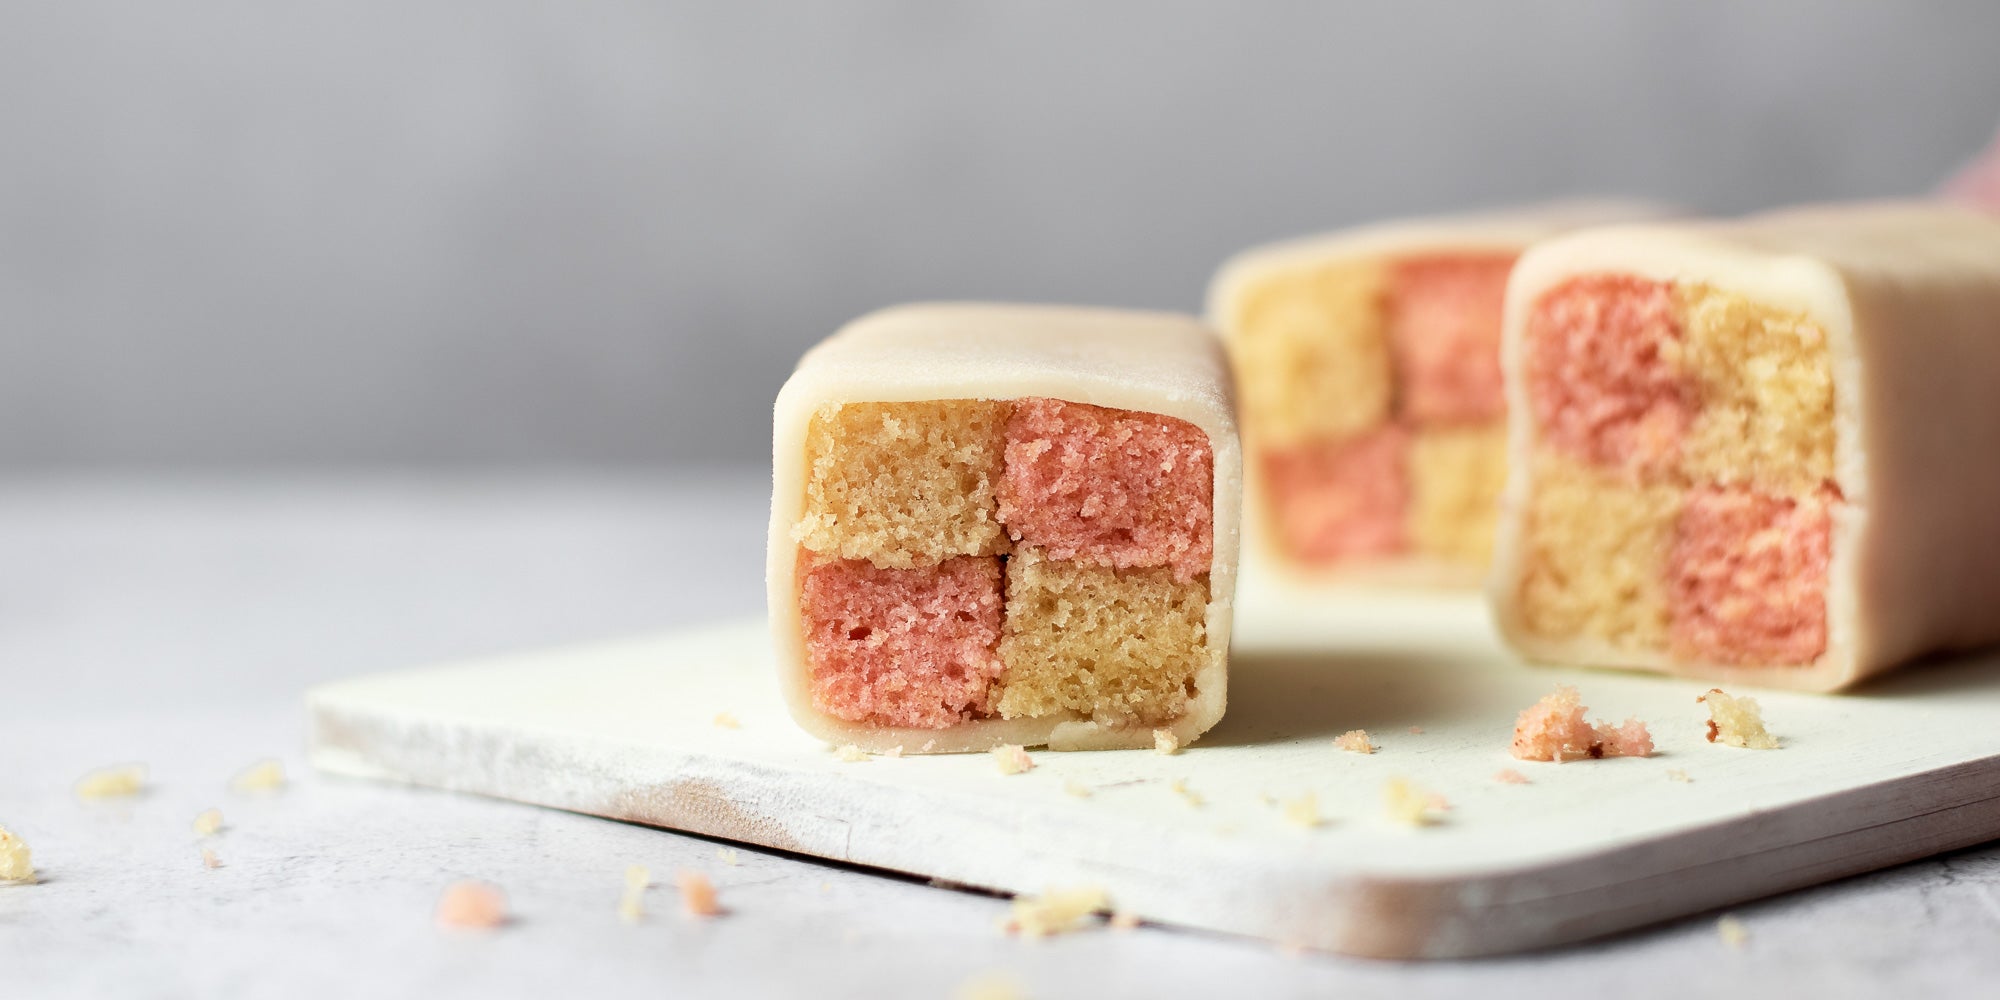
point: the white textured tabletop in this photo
(177, 621)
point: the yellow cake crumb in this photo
(1303, 812)
(208, 822)
(1164, 741)
(1012, 758)
(209, 860)
(113, 782)
(904, 484)
(725, 720)
(266, 775)
(848, 753)
(1355, 741)
(471, 905)
(1073, 787)
(989, 986)
(632, 902)
(1736, 722)
(728, 856)
(1124, 920)
(1676, 774)
(1311, 353)
(698, 897)
(1456, 475)
(1119, 645)
(1055, 911)
(1732, 931)
(1509, 776)
(1188, 795)
(1410, 805)
(928, 746)
(16, 861)
(1595, 556)
(894, 751)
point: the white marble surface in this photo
(175, 622)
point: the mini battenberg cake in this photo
(1761, 450)
(999, 525)
(1368, 375)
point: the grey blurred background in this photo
(245, 234)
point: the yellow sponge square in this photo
(1118, 646)
(1596, 554)
(1456, 475)
(1766, 386)
(904, 485)
(1311, 349)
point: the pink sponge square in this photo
(1747, 574)
(1600, 379)
(1444, 325)
(1342, 499)
(1108, 487)
(902, 647)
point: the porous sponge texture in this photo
(1312, 354)
(902, 647)
(909, 507)
(904, 485)
(1364, 383)
(1456, 475)
(1343, 499)
(1683, 493)
(1765, 384)
(1120, 646)
(1109, 487)
(1747, 575)
(1602, 371)
(1594, 555)
(1444, 318)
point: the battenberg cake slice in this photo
(1368, 377)
(1760, 450)
(997, 525)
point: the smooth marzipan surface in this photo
(1499, 230)
(1150, 362)
(1908, 295)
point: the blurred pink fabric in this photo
(1978, 182)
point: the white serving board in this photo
(626, 730)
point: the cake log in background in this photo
(1005, 525)
(1759, 450)
(1368, 373)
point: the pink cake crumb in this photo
(698, 897)
(902, 647)
(1600, 379)
(1342, 500)
(1628, 739)
(470, 905)
(1509, 776)
(1747, 576)
(1108, 487)
(1444, 326)
(1554, 729)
